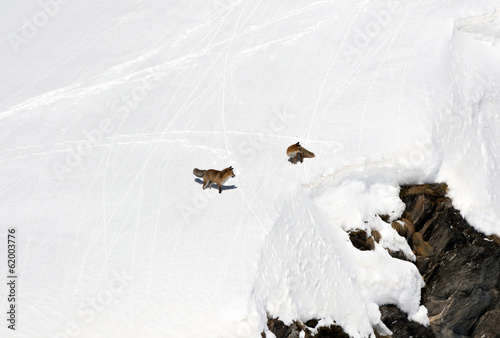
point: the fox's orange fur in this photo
(214, 176)
(297, 152)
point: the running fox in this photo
(214, 176)
(297, 152)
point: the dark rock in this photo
(460, 266)
(376, 236)
(333, 331)
(421, 247)
(280, 330)
(312, 323)
(421, 210)
(397, 321)
(440, 234)
(404, 228)
(437, 190)
(488, 326)
(421, 201)
(494, 238)
(462, 287)
(447, 230)
(385, 218)
(462, 275)
(361, 240)
(422, 264)
(397, 254)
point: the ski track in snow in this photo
(185, 62)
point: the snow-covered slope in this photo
(107, 106)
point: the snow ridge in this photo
(307, 251)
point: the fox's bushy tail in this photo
(306, 153)
(198, 173)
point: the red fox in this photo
(214, 176)
(297, 152)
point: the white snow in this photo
(107, 106)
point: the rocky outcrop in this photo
(397, 321)
(462, 270)
(308, 330)
(361, 240)
(460, 266)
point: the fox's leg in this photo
(206, 184)
(220, 187)
(301, 158)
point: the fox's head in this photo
(231, 172)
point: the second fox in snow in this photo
(214, 176)
(297, 152)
